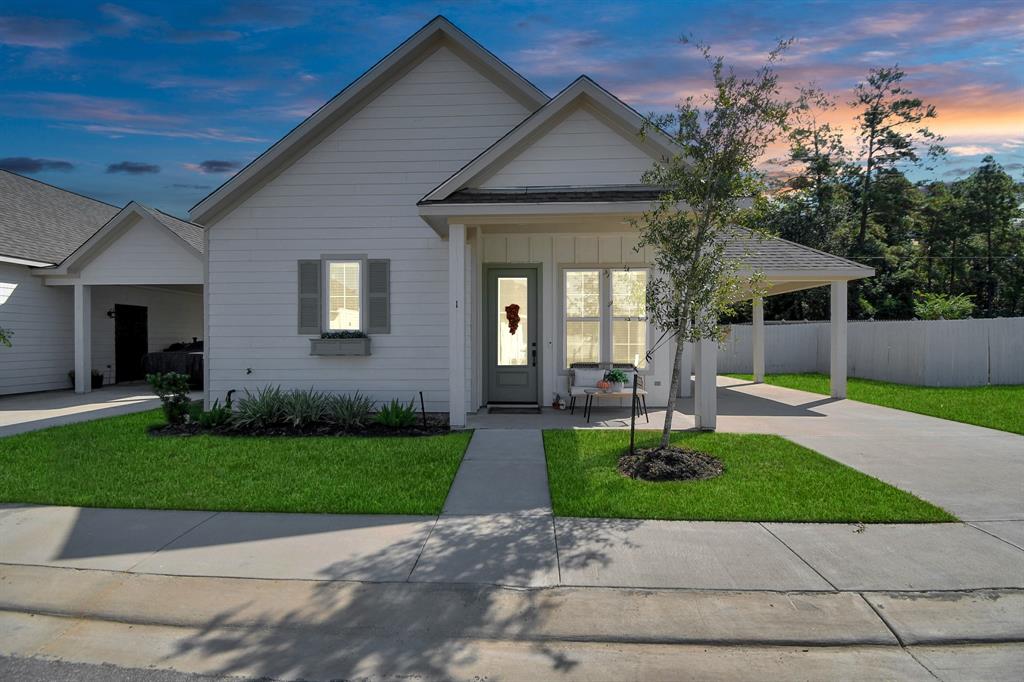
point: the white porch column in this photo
(837, 324)
(83, 338)
(705, 398)
(457, 325)
(757, 338)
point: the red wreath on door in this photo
(512, 315)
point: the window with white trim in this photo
(343, 296)
(605, 315)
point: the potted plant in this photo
(346, 342)
(617, 378)
(97, 378)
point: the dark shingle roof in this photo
(541, 195)
(772, 254)
(190, 232)
(44, 223)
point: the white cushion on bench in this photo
(586, 378)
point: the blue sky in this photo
(161, 102)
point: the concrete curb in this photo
(456, 612)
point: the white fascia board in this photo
(581, 89)
(351, 97)
(25, 261)
(439, 215)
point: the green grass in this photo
(997, 407)
(115, 463)
(767, 478)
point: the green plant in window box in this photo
(344, 334)
(617, 378)
(341, 342)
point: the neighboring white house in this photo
(432, 201)
(86, 286)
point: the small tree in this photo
(720, 142)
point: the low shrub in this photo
(264, 409)
(218, 416)
(351, 412)
(304, 409)
(397, 415)
(172, 388)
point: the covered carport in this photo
(145, 266)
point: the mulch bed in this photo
(436, 426)
(673, 463)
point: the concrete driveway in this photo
(33, 411)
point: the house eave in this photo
(439, 215)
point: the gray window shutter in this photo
(378, 296)
(309, 297)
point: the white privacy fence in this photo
(925, 353)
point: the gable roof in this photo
(43, 223)
(436, 32)
(582, 91)
(190, 234)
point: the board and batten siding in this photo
(554, 252)
(580, 149)
(41, 319)
(355, 191)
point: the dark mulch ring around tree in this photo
(436, 426)
(673, 463)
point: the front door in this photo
(131, 341)
(511, 321)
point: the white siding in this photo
(41, 318)
(144, 253)
(580, 149)
(172, 315)
(354, 192)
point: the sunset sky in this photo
(161, 102)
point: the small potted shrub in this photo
(346, 342)
(617, 378)
(97, 379)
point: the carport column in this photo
(837, 366)
(757, 338)
(705, 403)
(457, 325)
(83, 338)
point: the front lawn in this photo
(115, 463)
(997, 407)
(767, 478)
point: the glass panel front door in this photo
(511, 340)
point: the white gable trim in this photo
(108, 234)
(582, 92)
(437, 32)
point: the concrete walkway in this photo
(513, 549)
(33, 411)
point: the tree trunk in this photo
(673, 393)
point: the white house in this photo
(420, 203)
(86, 286)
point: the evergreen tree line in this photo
(939, 249)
